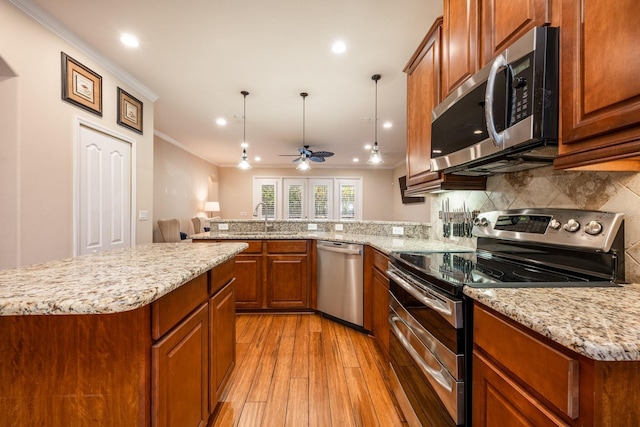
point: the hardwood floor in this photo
(305, 370)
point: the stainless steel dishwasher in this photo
(340, 281)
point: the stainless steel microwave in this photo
(505, 117)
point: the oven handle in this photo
(425, 298)
(437, 375)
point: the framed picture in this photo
(129, 111)
(81, 86)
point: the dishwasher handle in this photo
(340, 250)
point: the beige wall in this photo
(38, 143)
(414, 212)
(236, 193)
(182, 183)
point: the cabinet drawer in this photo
(173, 307)
(380, 261)
(549, 372)
(221, 274)
(255, 247)
(286, 246)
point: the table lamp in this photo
(211, 207)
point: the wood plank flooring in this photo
(305, 370)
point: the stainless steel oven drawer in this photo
(449, 391)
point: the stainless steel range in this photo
(430, 317)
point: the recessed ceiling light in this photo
(387, 125)
(356, 160)
(221, 121)
(367, 147)
(257, 158)
(129, 40)
(339, 47)
(244, 144)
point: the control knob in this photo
(555, 224)
(480, 221)
(593, 227)
(571, 226)
(519, 82)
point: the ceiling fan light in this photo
(303, 165)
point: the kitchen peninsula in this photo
(119, 338)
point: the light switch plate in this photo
(339, 227)
(143, 215)
(224, 226)
(397, 231)
(311, 227)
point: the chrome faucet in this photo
(266, 215)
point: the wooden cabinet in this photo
(287, 273)
(249, 276)
(600, 91)
(222, 341)
(423, 94)
(459, 43)
(376, 262)
(180, 374)
(163, 364)
(523, 378)
(505, 21)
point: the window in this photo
(266, 191)
(309, 198)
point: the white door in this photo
(104, 192)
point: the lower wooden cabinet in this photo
(287, 281)
(521, 378)
(222, 341)
(377, 285)
(180, 374)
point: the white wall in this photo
(182, 183)
(37, 146)
(236, 189)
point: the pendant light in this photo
(244, 163)
(303, 164)
(375, 158)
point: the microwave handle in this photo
(496, 138)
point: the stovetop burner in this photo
(512, 253)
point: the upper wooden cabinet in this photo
(504, 22)
(600, 88)
(459, 43)
(423, 94)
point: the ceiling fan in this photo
(305, 153)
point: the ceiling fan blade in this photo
(322, 153)
(313, 158)
(297, 159)
(289, 155)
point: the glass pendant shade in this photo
(375, 158)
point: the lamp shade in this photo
(211, 207)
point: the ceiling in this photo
(197, 56)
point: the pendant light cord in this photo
(244, 120)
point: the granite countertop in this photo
(108, 282)
(599, 323)
(384, 244)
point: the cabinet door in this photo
(381, 310)
(287, 281)
(505, 21)
(248, 282)
(499, 401)
(600, 88)
(423, 93)
(180, 375)
(222, 341)
(459, 43)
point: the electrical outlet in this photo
(312, 227)
(143, 215)
(224, 226)
(339, 227)
(397, 231)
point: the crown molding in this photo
(178, 144)
(56, 27)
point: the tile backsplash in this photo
(545, 187)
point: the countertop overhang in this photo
(108, 282)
